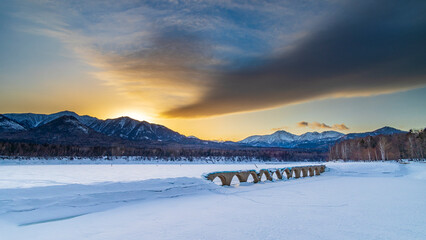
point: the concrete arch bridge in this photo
(289, 172)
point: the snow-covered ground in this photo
(24, 176)
(172, 201)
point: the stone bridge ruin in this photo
(280, 173)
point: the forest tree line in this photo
(411, 145)
(26, 149)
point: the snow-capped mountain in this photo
(32, 120)
(381, 131)
(128, 128)
(279, 138)
(309, 139)
(66, 130)
(285, 139)
(9, 125)
(123, 127)
(314, 136)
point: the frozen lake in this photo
(25, 176)
(172, 201)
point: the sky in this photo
(219, 70)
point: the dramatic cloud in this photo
(317, 125)
(167, 54)
(370, 48)
(203, 58)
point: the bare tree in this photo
(368, 140)
(382, 144)
(411, 143)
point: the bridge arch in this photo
(235, 180)
(288, 173)
(277, 174)
(266, 173)
(221, 178)
(253, 177)
(243, 176)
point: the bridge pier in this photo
(297, 172)
(311, 172)
(304, 172)
(288, 172)
(317, 171)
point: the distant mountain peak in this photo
(125, 118)
(381, 131)
(388, 129)
(281, 131)
(66, 123)
(66, 112)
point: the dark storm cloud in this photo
(369, 48)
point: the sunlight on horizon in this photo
(135, 114)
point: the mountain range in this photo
(69, 128)
(310, 140)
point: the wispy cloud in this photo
(204, 58)
(317, 125)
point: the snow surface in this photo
(27, 176)
(172, 201)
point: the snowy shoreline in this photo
(129, 160)
(5, 161)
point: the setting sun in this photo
(138, 115)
